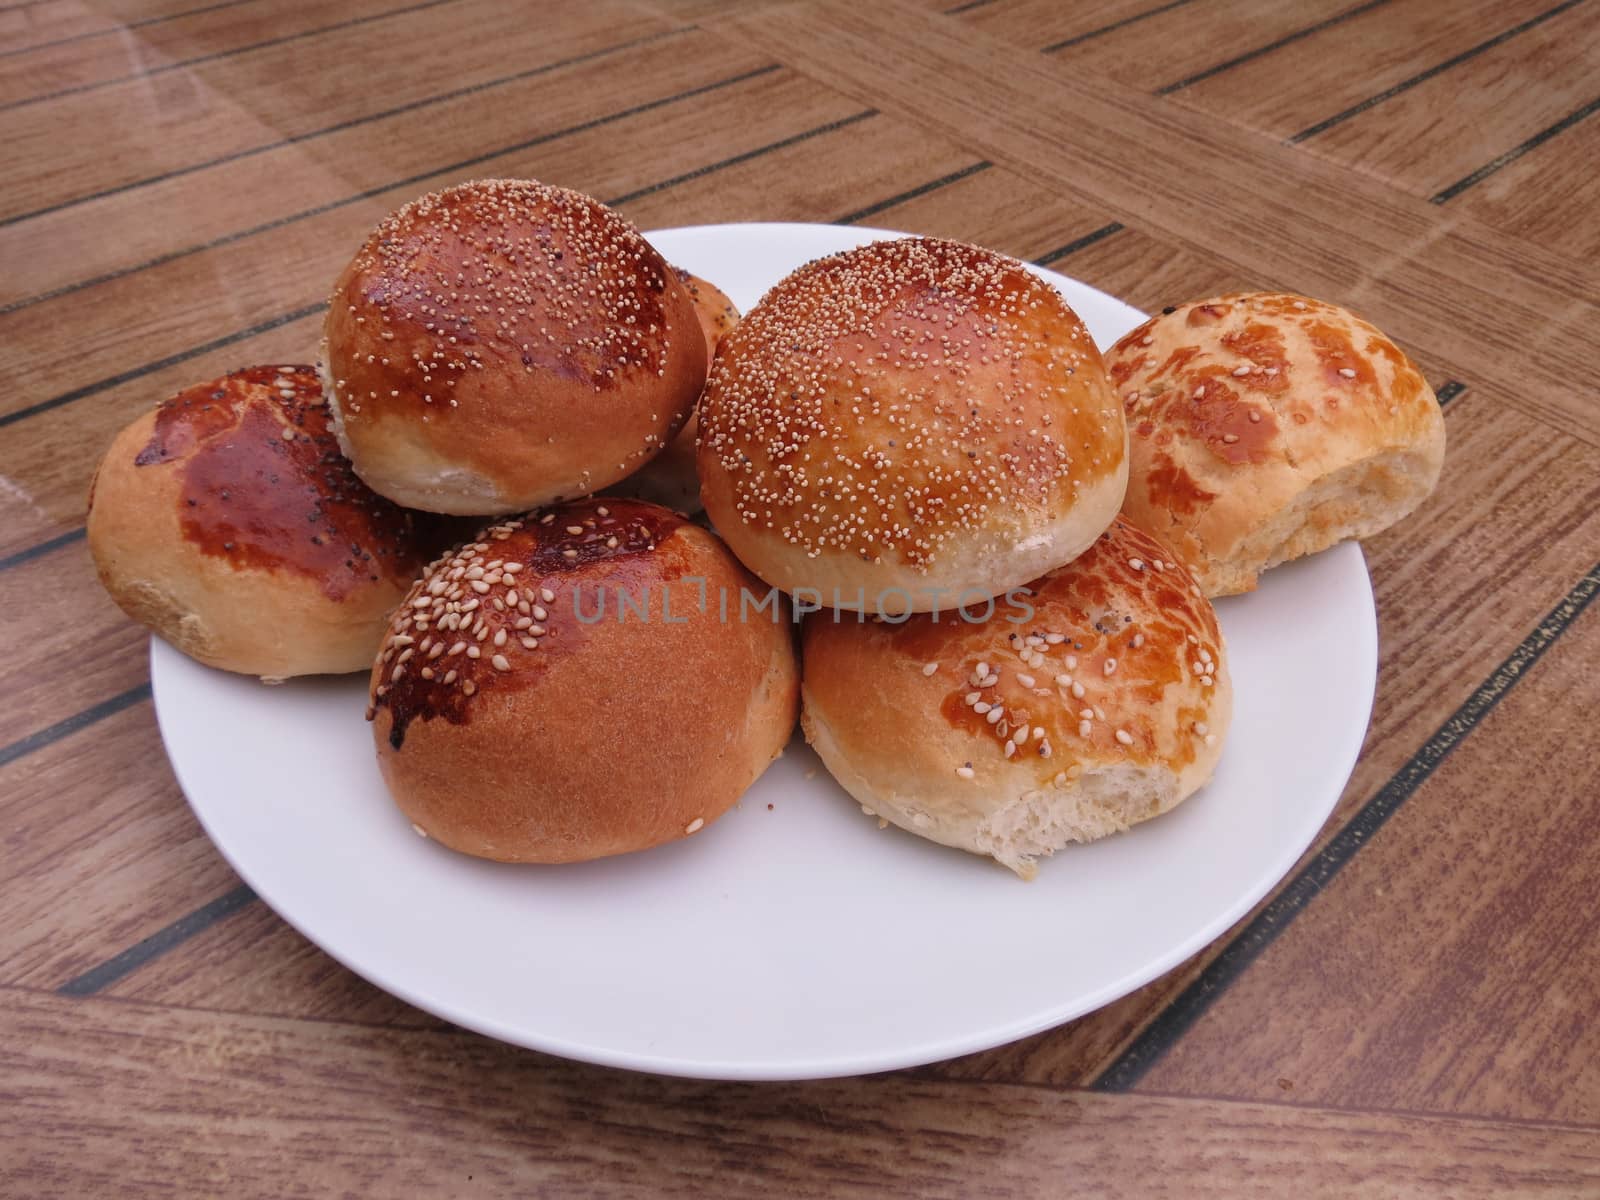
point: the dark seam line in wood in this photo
(1077, 244)
(240, 235)
(82, 720)
(1113, 27)
(967, 7)
(1448, 391)
(1180, 1015)
(43, 548)
(933, 185)
(1511, 156)
(747, 156)
(158, 943)
(342, 126)
(1259, 51)
(221, 54)
(95, 33)
(288, 318)
(159, 364)
(1406, 85)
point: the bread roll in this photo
(525, 710)
(228, 522)
(1099, 700)
(906, 424)
(670, 477)
(503, 344)
(1265, 426)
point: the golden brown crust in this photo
(1114, 662)
(519, 714)
(671, 477)
(228, 522)
(1267, 425)
(504, 343)
(712, 308)
(882, 411)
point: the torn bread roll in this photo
(1265, 426)
(1099, 699)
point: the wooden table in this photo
(1413, 1011)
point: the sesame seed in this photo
(548, 597)
(500, 637)
(569, 554)
(1083, 728)
(1347, 372)
(1240, 371)
(981, 706)
(500, 663)
(1136, 564)
(1077, 691)
(1124, 737)
(574, 529)
(1011, 748)
(1201, 728)
(971, 698)
(1025, 680)
(1111, 666)
(468, 687)
(965, 772)
(418, 830)
(288, 434)
(995, 713)
(695, 826)
(1211, 739)
(540, 614)
(1064, 680)
(930, 668)
(1230, 438)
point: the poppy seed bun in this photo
(1112, 697)
(503, 344)
(906, 423)
(670, 477)
(521, 714)
(1265, 426)
(228, 522)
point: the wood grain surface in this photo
(1410, 1013)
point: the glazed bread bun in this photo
(522, 713)
(1099, 700)
(503, 344)
(228, 522)
(908, 423)
(670, 477)
(1265, 426)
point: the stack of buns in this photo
(1001, 545)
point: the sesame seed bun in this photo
(1265, 426)
(906, 423)
(670, 478)
(521, 715)
(228, 522)
(503, 344)
(1112, 697)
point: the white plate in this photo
(798, 940)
